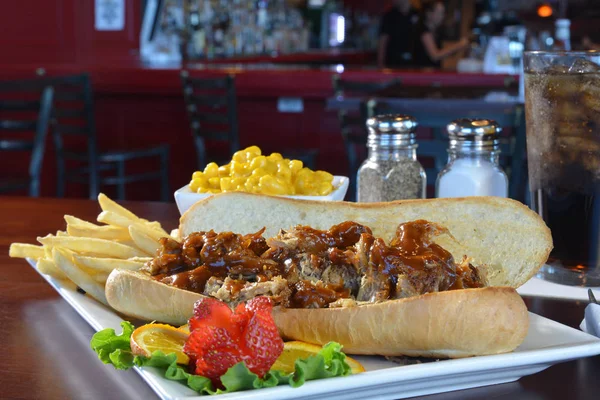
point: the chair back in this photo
(73, 122)
(25, 110)
(211, 104)
(352, 124)
(437, 113)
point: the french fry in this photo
(86, 253)
(92, 246)
(86, 282)
(25, 250)
(129, 242)
(143, 241)
(109, 205)
(106, 265)
(114, 219)
(71, 220)
(154, 233)
(47, 267)
(72, 254)
(152, 224)
(117, 220)
(101, 278)
(142, 260)
(48, 252)
(108, 232)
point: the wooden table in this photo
(46, 343)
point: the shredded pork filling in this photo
(309, 268)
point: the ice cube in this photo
(536, 65)
(583, 66)
(557, 69)
(590, 92)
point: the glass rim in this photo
(561, 53)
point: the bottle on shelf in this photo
(562, 34)
(227, 28)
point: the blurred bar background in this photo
(285, 61)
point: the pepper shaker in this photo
(391, 170)
(473, 168)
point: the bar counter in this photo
(253, 78)
(139, 105)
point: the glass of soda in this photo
(562, 108)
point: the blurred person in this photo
(396, 35)
(587, 44)
(428, 50)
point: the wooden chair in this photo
(25, 111)
(353, 124)
(211, 105)
(436, 114)
(74, 120)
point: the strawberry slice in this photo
(261, 343)
(213, 351)
(221, 338)
(210, 312)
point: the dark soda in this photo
(562, 110)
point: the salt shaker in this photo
(391, 171)
(473, 168)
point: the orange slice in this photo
(294, 350)
(151, 337)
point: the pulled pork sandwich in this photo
(429, 286)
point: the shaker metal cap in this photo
(392, 131)
(468, 133)
(392, 124)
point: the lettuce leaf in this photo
(115, 349)
(112, 348)
(175, 372)
(328, 363)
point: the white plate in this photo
(547, 343)
(185, 198)
(541, 288)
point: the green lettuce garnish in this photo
(115, 349)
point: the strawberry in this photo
(221, 338)
(213, 350)
(262, 343)
(210, 312)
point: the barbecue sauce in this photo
(411, 252)
(309, 295)
(248, 258)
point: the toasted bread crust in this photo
(454, 324)
(137, 295)
(457, 323)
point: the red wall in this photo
(62, 31)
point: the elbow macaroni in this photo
(250, 171)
